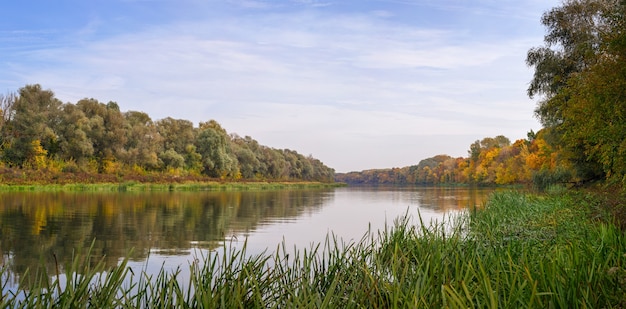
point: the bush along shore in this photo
(519, 250)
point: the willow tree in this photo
(72, 130)
(35, 113)
(249, 164)
(213, 144)
(178, 138)
(106, 130)
(143, 141)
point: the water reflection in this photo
(437, 199)
(356, 210)
(440, 199)
(43, 224)
(166, 229)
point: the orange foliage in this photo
(489, 163)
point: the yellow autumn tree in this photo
(37, 158)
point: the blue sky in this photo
(357, 84)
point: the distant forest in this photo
(44, 136)
(490, 161)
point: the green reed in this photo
(520, 250)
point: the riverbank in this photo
(520, 250)
(13, 179)
(131, 186)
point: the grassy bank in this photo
(17, 179)
(186, 186)
(519, 251)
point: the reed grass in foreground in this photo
(519, 251)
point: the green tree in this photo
(35, 115)
(106, 130)
(193, 160)
(172, 159)
(258, 164)
(143, 141)
(277, 166)
(176, 133)
(595, 120)
(248, 162)
(579, 73)
(178, 136)
(571, 45)
(214, 146)
(74, 143)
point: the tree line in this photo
(580, 83)
(39, 132)
(490, 161)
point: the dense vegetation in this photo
(580, 81)
(520, 251)
(41, 137)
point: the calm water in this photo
(171, 228)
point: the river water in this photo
(170, 229)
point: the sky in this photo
(357, 84)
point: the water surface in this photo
(170, 229)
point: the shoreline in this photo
(131, 186)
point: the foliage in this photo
(580, 75)
(34, 113)
(214, 147)
(39, 133)
(490, 161)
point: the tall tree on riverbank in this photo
(143, 141)
(34, 116)
(107, 131)
(73, 131)
(580, 79)
(213, 145)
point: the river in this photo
(170, 229)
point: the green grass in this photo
(520, 251)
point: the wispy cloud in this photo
(253, 4)
(313, 3)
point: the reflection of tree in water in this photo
(34, 227)
(446, 199)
